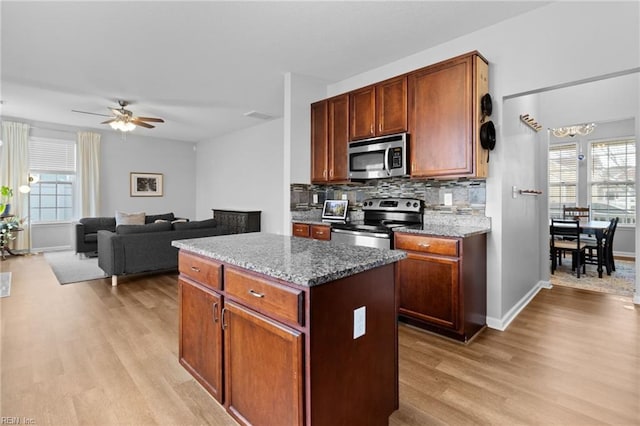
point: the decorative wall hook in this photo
(531, 122)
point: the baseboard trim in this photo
(501, 324)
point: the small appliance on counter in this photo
(335, 211)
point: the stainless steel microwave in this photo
(378, 158)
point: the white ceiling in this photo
(202, 65)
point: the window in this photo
(563, 178)
(613, 189)
(52, 196)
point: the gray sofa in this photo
(133, 249)
(86, 230)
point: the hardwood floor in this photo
(87, 353)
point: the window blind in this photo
(52, 155)
(563, 177)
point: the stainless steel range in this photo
(381, 217)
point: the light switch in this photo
(315, 198)
(359, 322)
(448, 199)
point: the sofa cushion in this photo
(123, 218)
(195, 224)
(140, 229)
(91, 238)
(94, 224)
(154, 217)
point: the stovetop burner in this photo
(382, 215)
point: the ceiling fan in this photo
(124, 120)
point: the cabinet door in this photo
(200, 347)
(263, 369)
(338, 137)
(363, 113)
(440, 120)
(391, 106)
(319, 148)
(429, 289)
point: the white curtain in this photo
(88, 173)
(14, 172)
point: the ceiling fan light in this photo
(122, 125)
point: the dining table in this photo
(597, 228)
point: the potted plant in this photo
(5, 194)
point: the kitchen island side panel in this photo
(353, 381)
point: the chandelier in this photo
(582, 130)
(123, 123)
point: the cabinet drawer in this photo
(433, 245)
(204, 271)
(267, 297)
(301, 230)
(320, 232)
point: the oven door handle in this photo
(361, 233)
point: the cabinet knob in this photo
(425, 245)
(195, 269)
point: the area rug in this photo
(622, 282)
(71, 268)
(5, 284)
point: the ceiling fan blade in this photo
(91, 113)
(141, 123)
(151, 119)
(109, 121)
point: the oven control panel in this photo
(393, 204)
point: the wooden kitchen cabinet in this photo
(443, 283)
(317, 232)
(379, 109)
(264, 368)
(280, 340)
(200, 345)
(445, 118)
(329, 140)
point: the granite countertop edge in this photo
(308, 279)
(446, 231)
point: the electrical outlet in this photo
(344, 196)
(315, 198)
(359, 322)
(448, 199)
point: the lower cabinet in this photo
(317, 232)
(200, 335)
(443, 283)
(263, 365)
(251, 335)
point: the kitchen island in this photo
(291, 331)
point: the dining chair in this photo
(583, 214)
(607, 248)
(561, 229)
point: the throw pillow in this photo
(123, 218)
(207, 223)
(141, 229)
(160, 221)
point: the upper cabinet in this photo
(380, 109)
(444, 118)
(329, 139)
(439, 106)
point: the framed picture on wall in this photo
(146, 184)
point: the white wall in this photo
(243, 171)
(529, 52)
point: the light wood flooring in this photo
(90, 354)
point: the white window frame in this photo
(630, 221)
(557, 213)
(62, 165)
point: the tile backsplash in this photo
(466, 197)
